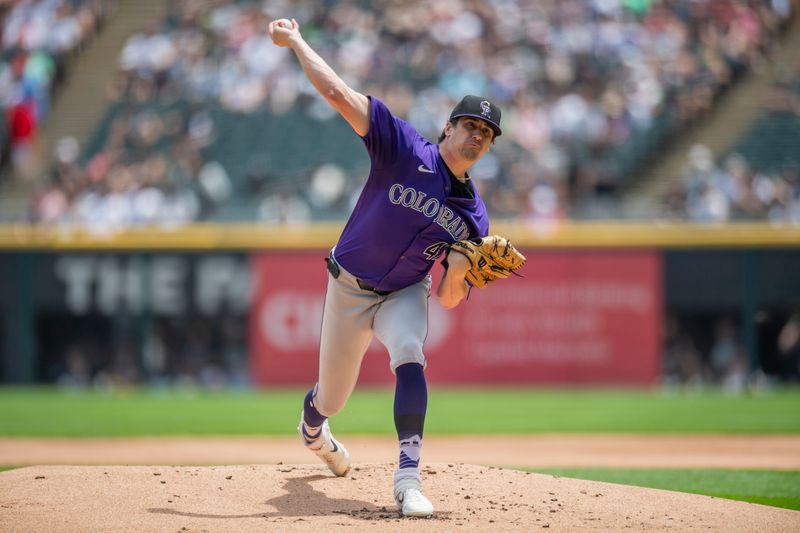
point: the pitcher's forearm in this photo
(452, 289)
(352, 105)
(318, 72)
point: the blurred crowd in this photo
(712, 350)
(39, 37)
(737, 188)
(588, 89)
(190, 352)
(734, 189)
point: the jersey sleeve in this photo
(388, 136)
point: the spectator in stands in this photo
(21, 117)
(77, 369)
(727, 357)
(789, 349)
(683, 361)
(37, 38)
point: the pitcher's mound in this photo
(308, 498)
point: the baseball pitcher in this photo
(418, 205)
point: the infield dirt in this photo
(295, 496)
(777, 452)
(307, 498)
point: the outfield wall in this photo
(590, 308)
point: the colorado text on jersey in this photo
(445, 217)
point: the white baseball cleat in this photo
(411, 502)
(408, 496)
(328, 449)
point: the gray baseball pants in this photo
(350, 318)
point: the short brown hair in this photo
(452, 121)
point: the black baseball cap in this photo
(479, 107)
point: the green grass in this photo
(778, 489)
(49, 412)
(3, 468)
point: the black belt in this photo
(333, 268)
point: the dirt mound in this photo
(308, 498)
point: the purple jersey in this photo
(405, 216)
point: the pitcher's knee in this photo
(407, 352)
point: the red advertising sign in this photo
(575, 317)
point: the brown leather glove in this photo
(490, 257)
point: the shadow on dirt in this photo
(303, 500)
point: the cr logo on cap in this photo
(486, 107)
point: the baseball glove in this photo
(490, 258)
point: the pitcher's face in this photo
(471, 137)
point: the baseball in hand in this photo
(284, 23)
